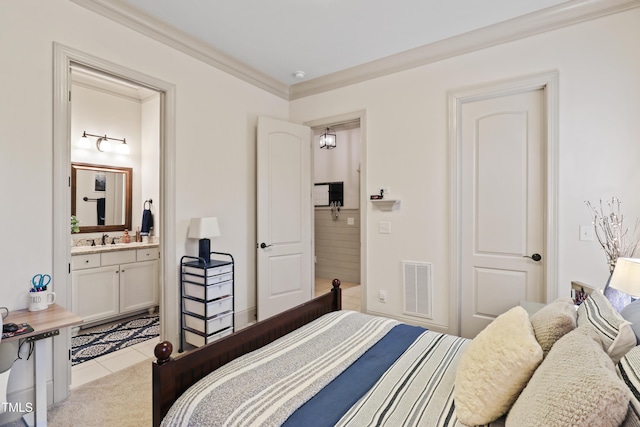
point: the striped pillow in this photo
(615, 332)
(629, 371)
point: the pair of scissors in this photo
(40, 282)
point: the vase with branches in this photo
(616, 241)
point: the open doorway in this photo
(63, 138)
(118, 297)
(337, 210)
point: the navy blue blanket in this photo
(333, 401)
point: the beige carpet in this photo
(121, 399)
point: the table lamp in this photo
(203, 229)
(626, 276)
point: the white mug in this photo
(41, 300)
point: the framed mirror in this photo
(101, 197)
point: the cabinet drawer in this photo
(147, 254)
(80, 262)
(118, 257)
(210, 292)
(199, 340)
(211, 280)
(208, 309)
(209, 326)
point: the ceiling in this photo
(321, 37)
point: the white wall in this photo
(149, 163)
(340, 164)
(100, 113)
(214, 156)
(406, 115)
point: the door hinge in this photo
(69, 354)
(69, 96)
(69, 268)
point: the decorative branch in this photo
(611, 234)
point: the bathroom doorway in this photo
(161, 147)
(340, 208)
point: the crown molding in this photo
(548, 19)
(552, 18)
(131, 17)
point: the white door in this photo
(285, 275)
(502, 206)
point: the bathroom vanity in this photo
(114, 280)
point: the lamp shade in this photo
(626, 276)
(203, 228)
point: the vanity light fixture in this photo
(328, 140)
(103, 144)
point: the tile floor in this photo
(112, 362)
(350, 293)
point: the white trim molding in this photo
(562, 15)
(549, 83)
(129, 16)
(63, 58)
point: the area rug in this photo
(100, 341)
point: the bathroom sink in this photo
(110, 247)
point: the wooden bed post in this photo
(337, 295)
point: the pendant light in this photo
(328, 140)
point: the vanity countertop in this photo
(83, 250)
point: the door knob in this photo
(264, 245)
(535, 257)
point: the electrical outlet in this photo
(386, 189)
(382, 296)
(350, 221)
(586, 233)
(384, 227)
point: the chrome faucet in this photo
(104, 238)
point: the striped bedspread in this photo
(417, 390)
(346, 369)
(265, 387)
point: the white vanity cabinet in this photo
(95, 290)
(109, 284)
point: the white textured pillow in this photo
(553, 321)
(495, 367)
(576, 385)
(616, 334)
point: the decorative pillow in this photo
(631, 313)
(553, 321)
(576, 385)
(495, 367)
(629, 371)
(615, 333)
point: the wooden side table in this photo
(46, 324)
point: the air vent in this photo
(418, 289)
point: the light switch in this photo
(384, 227)
(350, 221)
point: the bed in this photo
(318, 365)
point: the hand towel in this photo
(147, 222)
(101, 204)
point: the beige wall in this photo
(406, 147)
(337, 245)
(216, 115)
